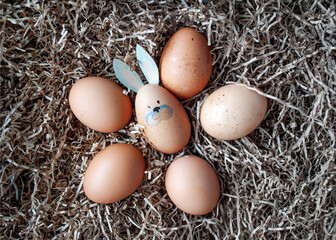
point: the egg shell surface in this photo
(100, 104)
(232, 112)
(166, 123)
(186, 63)
(192, 184)
(114, 173)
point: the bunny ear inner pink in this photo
(128, 78)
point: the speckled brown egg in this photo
(166, 123)
(100, 104)
(232, 112)
(186, 63)
(114, 173)
(192, 184)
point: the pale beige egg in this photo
(232, 112)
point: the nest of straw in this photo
(276, 183)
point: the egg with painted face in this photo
(166, 123)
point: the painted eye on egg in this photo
(158, 101)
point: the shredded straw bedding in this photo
(276, 183)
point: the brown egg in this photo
(167, 126)
(114, 173)
(232, 112)
(186, 63)
(192, 184)
(100, 104)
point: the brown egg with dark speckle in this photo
(186, 63)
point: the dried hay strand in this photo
(276, 183)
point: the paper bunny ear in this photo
(147, 65)
(129, 78)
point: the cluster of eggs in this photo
(230, 112)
